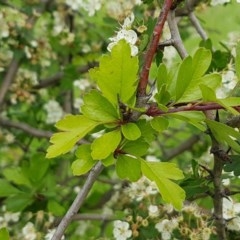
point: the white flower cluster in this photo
(141, 189)
(121, 230)
(54, 111)
(120, 9)
(166, 227)
(126, 33)
(221, 2)
(90, 6)
(231, 211)
(8, 217)
(29, 232)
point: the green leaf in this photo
(234, 165)
(6, 189)
(103, 146)
(194, 117)
(136, 148)
(116, 75)
(110, 160)
(131, 131)
(16, 176)
(98, 108)
(162, 96)
(201, 62)
(19, 202)
(128, 167)
(210, 96)
(4, 235)
(237, 60)
(75, 127)
(84, 162)
(224, 134)
(160, 173)
(162, 76)
(159, 123)
(193, 91)
(55, 208)
(184, 77)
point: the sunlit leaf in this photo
(84, 162)
(237, 60)
(4, 235)
(224, 134)
(128, 167)
(98, 108)
(116, 75)
(131, 131)
(159, 123)
(161, 173)
(103, 146)
(75, 128)
(184, 77)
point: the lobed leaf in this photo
(103, 146)
(160, 173)
(116, 75)
(75, 128)
(98, 108)
(128, 167)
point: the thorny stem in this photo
(152, 47)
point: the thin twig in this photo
(96, 170)
(26, 128)
(8, 79)
(188, 7)
(175, 35)
(187, 145)
(195, 22)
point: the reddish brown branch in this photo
(152, 47)
(154, 111)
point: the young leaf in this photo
(228, 103)
(224, 133)
(162, 76)
(237, 60)
(75, 128)
(201, 62)
(84, 162)
(159, 123)
(128, 167)
(98, 108)
(184, 77)
(131, 131)
(103, 146)
(160, 173)
(136, 148)
(116, 75)
(194, 117)
(4, 235)
(110, 160)
(193, 91)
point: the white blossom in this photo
(219, 2)
(166, 227)
(54, 111)
(29, 232)
(153, 211)
(121, 230)
(129, 35)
